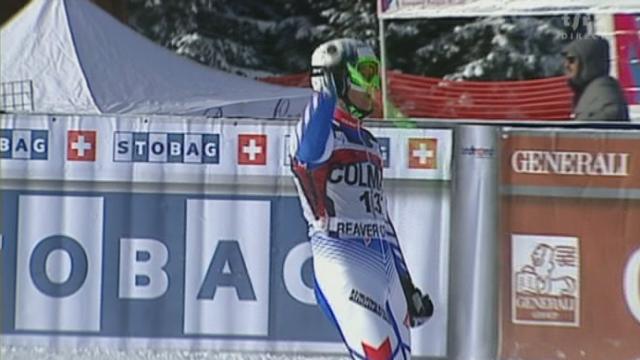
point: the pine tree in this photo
(252, 37)
(496, 48)
(256, 38)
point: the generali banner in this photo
(570, 211)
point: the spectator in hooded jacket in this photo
(597, 96)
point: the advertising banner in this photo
(179, 150)
(627, 35)
(570, 213)
(188, 234)
(455, 8)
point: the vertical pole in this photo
(473, 286)
(383, 67)
(605, 28)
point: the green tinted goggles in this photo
(365, 73)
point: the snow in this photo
(45, 353)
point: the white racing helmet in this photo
(337, 64)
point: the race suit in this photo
(357, 261)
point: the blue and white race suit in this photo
(357, 260)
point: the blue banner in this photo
(157, 266)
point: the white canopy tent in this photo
(69, 56)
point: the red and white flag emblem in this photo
(252, 149)
(81, 145)
(423, 153)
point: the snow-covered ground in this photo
(10, 352)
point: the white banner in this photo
(179, 150)
(241, 304)
(55, 255)
(389, 9)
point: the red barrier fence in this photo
(427, 97)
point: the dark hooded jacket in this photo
(597, 96)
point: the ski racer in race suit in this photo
(361, 280)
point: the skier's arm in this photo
(314, 130)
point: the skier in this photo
(361, 280)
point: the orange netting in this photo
(427, 97)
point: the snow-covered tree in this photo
(252, 37)
(259, 38)
(495, 48)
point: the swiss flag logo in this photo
(252, 149)
(81, 145)
(423, 153)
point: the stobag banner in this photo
(454, 8)
(106, 241)
(192, 150)
(571, 244)
(159, 267)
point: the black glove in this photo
(419, 306)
